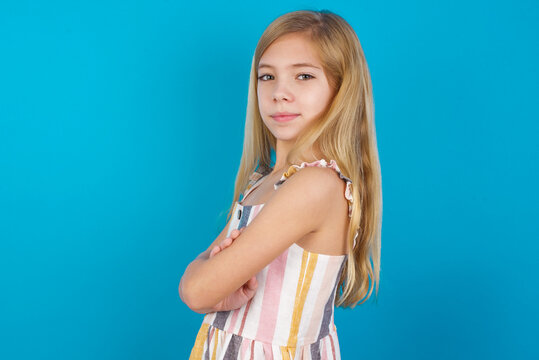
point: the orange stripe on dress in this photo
(284, 353)
(301, 295)
(304, 260)
(215, 341)
(198, 348)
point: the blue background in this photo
(121, 128)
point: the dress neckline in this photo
(253, 205)
(258, 182)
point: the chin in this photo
(285, 138)
(283, 134)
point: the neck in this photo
(283, 149)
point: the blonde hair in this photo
(345, 133)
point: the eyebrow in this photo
(293, 65)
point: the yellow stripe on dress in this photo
(216, 340)
(198, 348)
(284, 353)
(302, 290)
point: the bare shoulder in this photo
(322, 184)
(307, 197)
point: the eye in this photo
(310, 76)
(261, 77)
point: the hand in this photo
(226, 242)
(246, 291)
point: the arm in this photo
(199, 259)
(296, 209)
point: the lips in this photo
(284, 116)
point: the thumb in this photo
(249, 289)
(252, 283)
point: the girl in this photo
(311, 222)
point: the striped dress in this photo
(291, 314)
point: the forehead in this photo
(290, 49)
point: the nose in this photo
(281, 92)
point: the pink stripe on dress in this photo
(244, 347)
(244, 316)
(323, 350)
(233, 319)
(272, 296)
(210, 336)
(332, 346)
(268, 351)
(256, 210)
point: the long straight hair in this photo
(345, 132)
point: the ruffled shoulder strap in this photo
(321, 163)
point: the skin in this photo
(208, 284)
(283, 87)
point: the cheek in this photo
(317, 101)
(262, 90)
(262, 97)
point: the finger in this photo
(252, 283)
(249, 289)
(234, 232)
(226, 242)
(215, 250)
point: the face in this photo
(293, 90)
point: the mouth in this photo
(284, 117)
